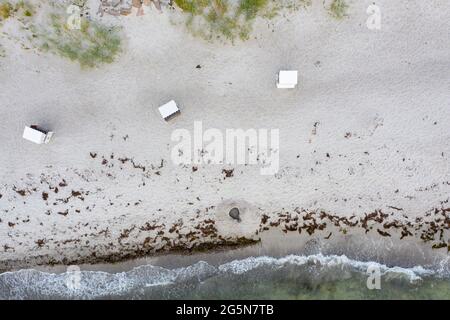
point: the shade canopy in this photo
(34, 135)
(287, 79)
(169, 109)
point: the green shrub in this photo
(94, 44)
(192, 6)
(5, 10)
(338, 9)
(227, 19)
(19, 9)
(250, 8)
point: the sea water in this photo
(315, 276)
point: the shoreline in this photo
(276, 244)
(302, 273)
(289, 264)
(294, 233)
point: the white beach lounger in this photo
(169, 110)
(287, 79)
(36, 135)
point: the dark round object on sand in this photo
(234, 213)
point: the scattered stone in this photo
(234, 213)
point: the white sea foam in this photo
(245, 265)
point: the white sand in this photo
(389, 89)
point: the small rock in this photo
(234, 213)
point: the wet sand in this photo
(358, 246)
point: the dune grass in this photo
(192, 6)
(6, 10)
(338, 9)
(94, 44)
(25, 8)
(250, 8)
(228, 19)
(17, 9)
(231, 19)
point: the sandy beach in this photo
(364, 138)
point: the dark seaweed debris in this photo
(429, 230)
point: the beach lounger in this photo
(287, 79)
(36, 135)
(169, 110)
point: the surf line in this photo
(187, 310)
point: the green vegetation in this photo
(19, 9)
(192, 6)
(250, 8)
(95, 44)
(338, 9)
(92, 45)
(25, 8)
(79, 3)
(228, 19)
(6, 10)
(231, 19)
